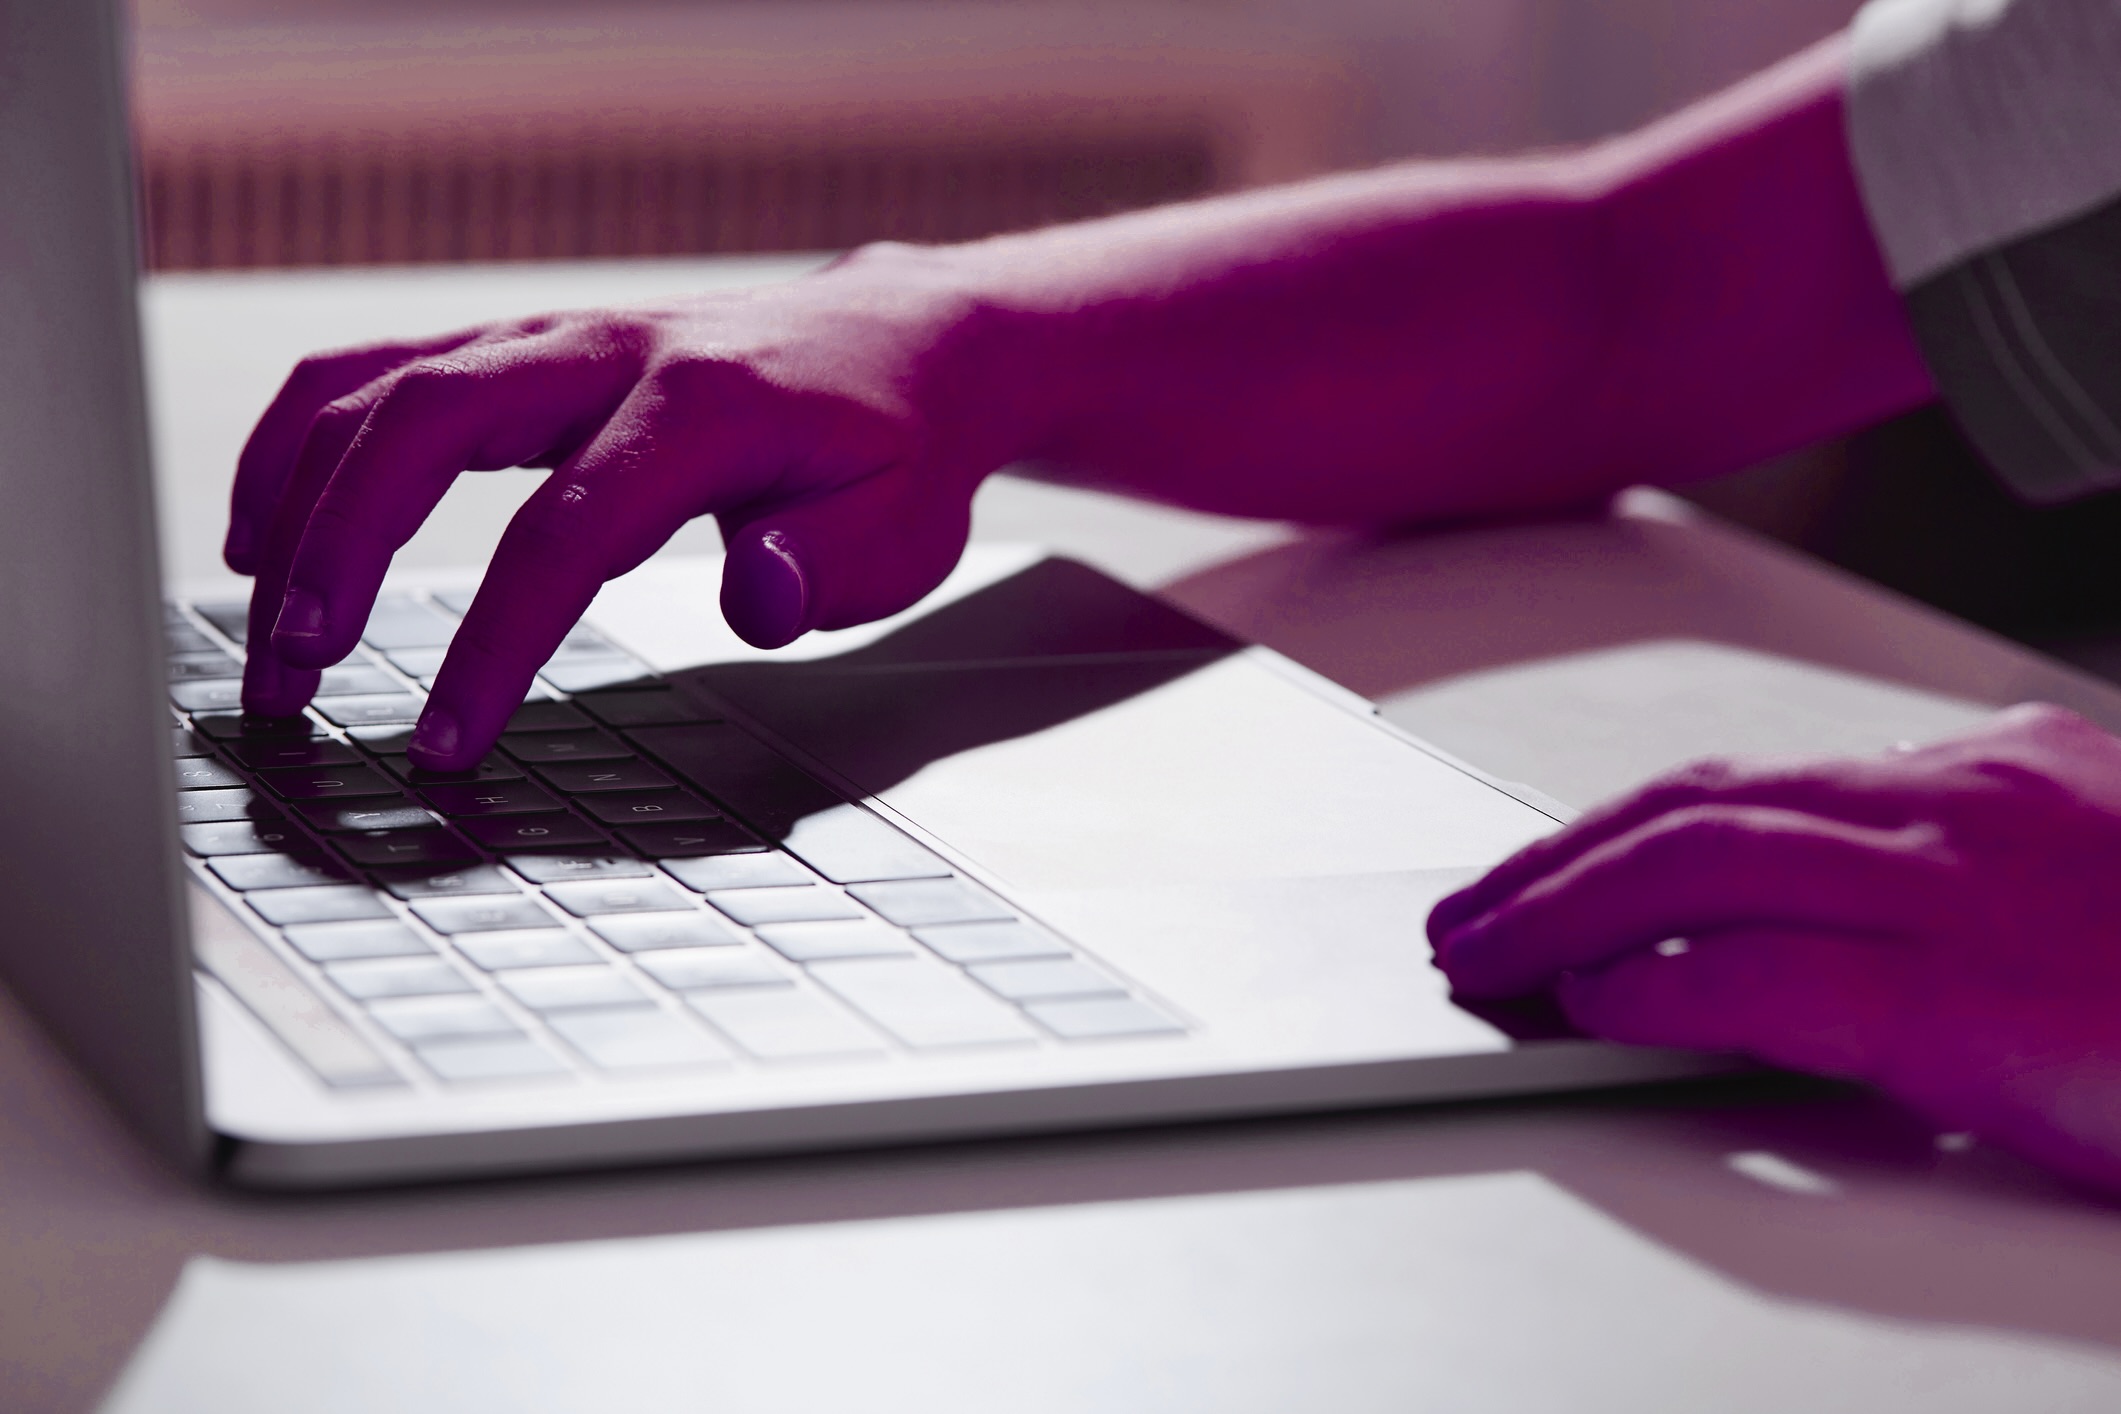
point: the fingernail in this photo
(436, 737)
(301, 616)
(768, 600)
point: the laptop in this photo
(1041, 853)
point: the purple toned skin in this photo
(1938, 922)
(1419, 342)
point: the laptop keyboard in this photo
(628, 885)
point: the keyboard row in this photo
(628, 876)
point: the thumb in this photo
(862, 552)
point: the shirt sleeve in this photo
(1986, 136)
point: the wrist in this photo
(983, 372)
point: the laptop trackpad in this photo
(1148, 768)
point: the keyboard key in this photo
(244, 872)
(208, 694)
(559, 868)
(421, 662)
(691, 971)
(401, 621)
(368, 979)
(510, 1058)
(332, 903)
(243, 837)
(848, 845)
(592, 777)
(455, 601)
(374, 710)
(591, 673)
(183, 743)
(642, 807)
(266, 752)
(645, 932)
(548, 716)
(547, 947)
(418, 1019)
(915, 903)
(337, 942)
(345, 817)
(783, 1023)
(495, 767)
(655, 708)
(204, 773)
(356, 680)
(510, 832)
(342, 782)
(199, 807)
(487, 913)
(206, 662)
(378, 847)
(737, 871)
(542, 748)
(704, 837)
(802, 903)
(923, 1004)
(490, 798)
(178, 636)
(1044, 979)
(592, 897)
(445, 883)
(822, 942)
(248, 726)
(572, 988)
(968, 943)
(386, 740)
(638, 1040)
(232, 617)
(1099, 1018)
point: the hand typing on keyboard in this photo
(1940, 923)
(828, 423)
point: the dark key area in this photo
(740, 771)
(327, 782)
(542, 748)
(267, 753)
(548, 717)
(681, 841)
(248, 726)
(513, 832)
(634, 708)
(591, 777)
(646, 807)
(490, 798)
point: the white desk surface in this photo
(1712, 1250)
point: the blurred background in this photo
(316, 133)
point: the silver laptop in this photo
(1042, 853)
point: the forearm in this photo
(1452, 337)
